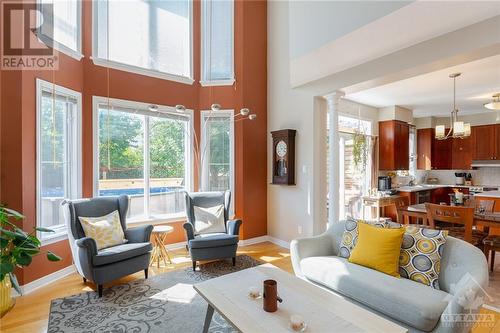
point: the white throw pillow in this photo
(209, 219)
(105, 230)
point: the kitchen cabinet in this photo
(461, 155)
(433, 154)
(394, 151)
(440, 195)
(425, 139)
(486, 142)
(442, 154)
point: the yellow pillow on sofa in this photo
(378, 248)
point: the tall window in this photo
(143, 154)
(217, 150)
(146, 37)
(62, 28)
(58, 154)
(355, 164)
(217, 42)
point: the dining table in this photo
(486, 220)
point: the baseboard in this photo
(175, 246)
(279, 242)
(43, 281)
(255, 240)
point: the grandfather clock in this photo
(284, 157)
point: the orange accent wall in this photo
(18, 122)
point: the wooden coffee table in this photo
(322, 311)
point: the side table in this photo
(159, 234)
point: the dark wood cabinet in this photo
(433, 154)
(425, 140)
(461, 154)
(394, 151)
(440, 195)
(485, 142)
(441, 154)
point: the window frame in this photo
(75, 54)
(139, 70)
(188, 114)
(205, 44)
(41, 85)
(204, 181)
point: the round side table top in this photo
(163, 229)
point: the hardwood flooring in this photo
(30, 314)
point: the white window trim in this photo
(205, 82)
(189, 114)
(139, 70)
(205, 114)
(75, 54)
(61, 232)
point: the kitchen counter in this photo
(489, 194)
(426, 187)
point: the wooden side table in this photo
(159, 234)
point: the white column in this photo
(333, 171)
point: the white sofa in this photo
(420, 308)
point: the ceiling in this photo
(431, 94)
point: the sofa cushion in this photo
(213, 240)
(120, 252)
(407, 301)
(378, 248)
(350, 235)
(421, 251)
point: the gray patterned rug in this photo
(162, 303)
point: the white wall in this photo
(289, 207)
(300, 210)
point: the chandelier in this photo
(494, 104)
(457, 129)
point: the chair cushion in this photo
(120, 252)
(405, 300)
(213, 240)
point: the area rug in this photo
(162, 303)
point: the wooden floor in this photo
(30, 314)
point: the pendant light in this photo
(494, 104)
(458, 129)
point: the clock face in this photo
(281, 148)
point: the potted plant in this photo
(17, 250)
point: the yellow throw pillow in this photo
(105, 230)
(378, 248)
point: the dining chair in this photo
(491, 245)
(401, 203)
(481, 206)
(455, 215)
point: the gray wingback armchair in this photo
(105, 265)
(211, 245)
